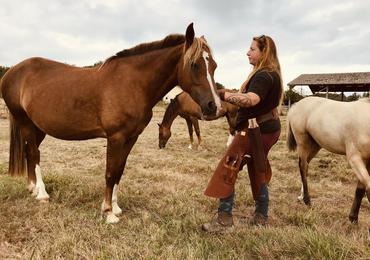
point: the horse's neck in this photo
(171, 113)
(161, 73)
(168, 80)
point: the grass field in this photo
(164, 206)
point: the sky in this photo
(314, 36)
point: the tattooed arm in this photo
(242, 99)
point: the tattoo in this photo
(239, 99)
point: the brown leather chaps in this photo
(237, 155)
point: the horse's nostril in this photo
(211, 106)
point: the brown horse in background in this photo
(339, 127)
(183, 105)
(113, 101)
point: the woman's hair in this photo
(269, 61)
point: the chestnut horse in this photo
(113, 101)
(339, 127)
(183, 105)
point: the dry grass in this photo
(164, 206)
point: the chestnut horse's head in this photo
(195, 74)
(164, 135)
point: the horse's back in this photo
(188, 106)
(332, 124)
(31, 70)
(60, 99)
(300, 112)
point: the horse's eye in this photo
(194, 66)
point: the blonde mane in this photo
(195, 50)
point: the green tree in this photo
(292, 96)
(2, 71)
(219, 85)
(353, 97)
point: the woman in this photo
(258, 99)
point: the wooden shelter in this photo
(334, 82)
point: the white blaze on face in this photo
(40, 186)
(215, 96)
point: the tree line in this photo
(3, 70)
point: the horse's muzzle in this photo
(209, 109)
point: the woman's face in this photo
(254, 54)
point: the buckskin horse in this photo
(113, 101)
(339, 127)
(183, 105)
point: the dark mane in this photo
(169, 41)
(171, 109)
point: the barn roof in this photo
(356, 81)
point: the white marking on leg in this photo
(31, 188)
(229, 140)
(115, 208)
(40, 186)
(111, 217)
(215, 97)
(300, 197)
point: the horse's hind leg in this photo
(197, 130)
(33, 136)
(190, 130)
(307, 148)
(359, 194)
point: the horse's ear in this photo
(189, 36)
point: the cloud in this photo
(311, 36)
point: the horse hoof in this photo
(117, 210)
(31, 187)
(306, 201)
(353, 219)
(43, 199)
(111, 218)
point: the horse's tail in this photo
(17, 150)
(290, 139)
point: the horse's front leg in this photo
(361, 170)
(118, 149)
(231, 122)
(360, 193)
